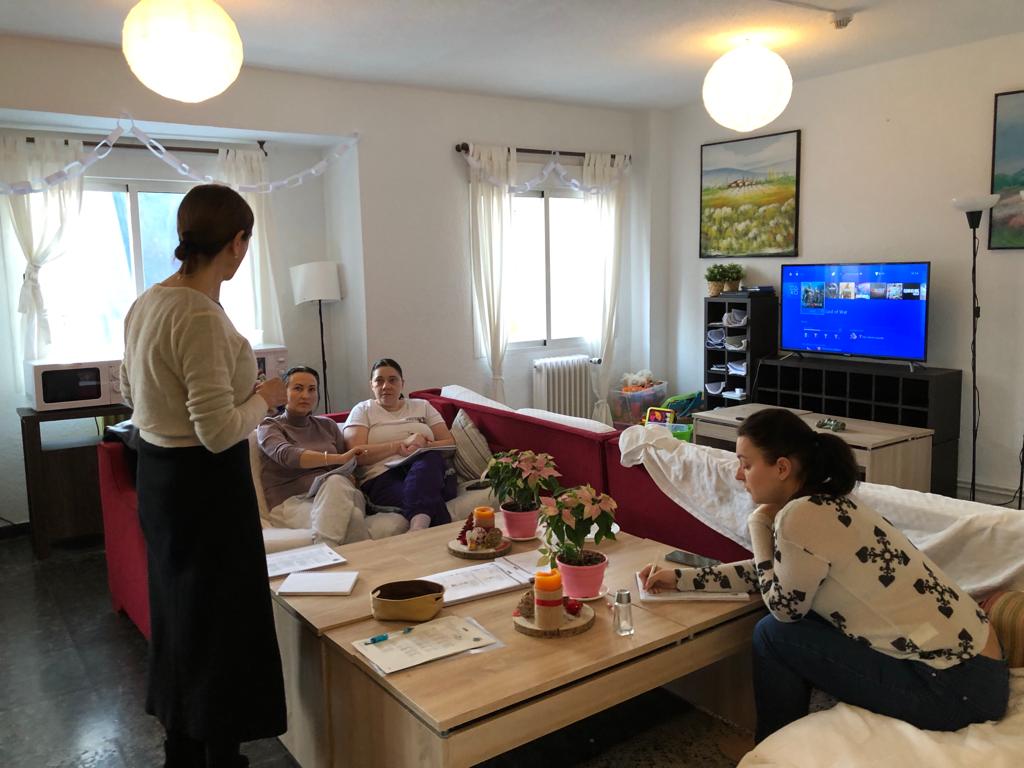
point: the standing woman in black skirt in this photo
(214, 667)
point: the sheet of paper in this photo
(525, 562)
(400, 460)
(336, 583)
(345, 470)
(462, 584)
(673, 594)
(302, 559)
(425, 642)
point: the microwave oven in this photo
(53, 385)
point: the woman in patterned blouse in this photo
(856, 610)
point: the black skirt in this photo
(214, 664)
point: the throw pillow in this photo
(578, 422)
(1006, 612)
(471, 450)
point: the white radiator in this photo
(562, 385)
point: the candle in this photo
(483, 517)
(547, 582)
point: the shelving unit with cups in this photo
(761, 335)
(885, 392)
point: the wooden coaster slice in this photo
(459, 549)
(574, 625)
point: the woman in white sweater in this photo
(855, 609)
(214, 668)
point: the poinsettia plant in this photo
(568, 519)
(518, 478)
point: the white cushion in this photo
(460, 507)
(384, 524)
(458, 392)
(472, 454)
(578, 422)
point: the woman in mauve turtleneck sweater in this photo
(297, 449)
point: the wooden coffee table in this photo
(465, 709)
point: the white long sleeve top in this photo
(187, 373)
(853, 568)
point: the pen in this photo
(381, 638)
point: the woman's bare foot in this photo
(419, 522)
(735, 745)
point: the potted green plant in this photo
(732, 274)
(713, 275)
(518, 478)
(568, 519)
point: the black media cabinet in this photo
(885, 392)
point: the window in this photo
(550, 278)
(124, 243)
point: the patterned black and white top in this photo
(853, 568)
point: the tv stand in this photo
(909, 395)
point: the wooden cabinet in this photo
(62, 478)
(888, 454)
(759, 334)
(927, 398)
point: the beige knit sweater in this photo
(187, 373)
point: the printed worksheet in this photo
(462, 584)
(302, 559)
(425, 642)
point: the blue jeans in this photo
(790, 659)
(418, 487)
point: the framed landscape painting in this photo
(1006, 225)
(750, 196)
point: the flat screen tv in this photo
(864, 310)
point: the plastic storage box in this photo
(631, 407)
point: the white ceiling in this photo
(629, 53)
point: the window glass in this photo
(158, 225)
(577, 271)
(89, 288)
(524, 285)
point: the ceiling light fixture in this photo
(187, 50)
(747, 88)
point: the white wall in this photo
(884, 149)
(395, 210)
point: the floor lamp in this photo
(974, 207)
(318, 281)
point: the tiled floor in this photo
(72, 687)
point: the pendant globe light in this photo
(747, 88)
(187, 50)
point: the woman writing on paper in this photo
(297, 448)
(855, 609)
(392, 429)
(214, 668)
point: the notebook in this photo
(673, 594)
(337, 583)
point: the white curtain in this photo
(490, 213)
(604, 216)
(252, 304)
(41, 223)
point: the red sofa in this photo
(589, 457)
(582, 457)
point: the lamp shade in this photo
(747, 88)
(969, 203)
(316, 281)
(187, 50)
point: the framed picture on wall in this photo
(1006, 222)
(750, 196)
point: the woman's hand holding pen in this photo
(655, 580)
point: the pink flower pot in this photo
(582, 580)
(520, 525)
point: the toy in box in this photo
(636, 393)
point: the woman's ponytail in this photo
(825, 462)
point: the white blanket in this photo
(979, 546)
(852, 737)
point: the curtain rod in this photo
(464, 149)
(122, 145)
